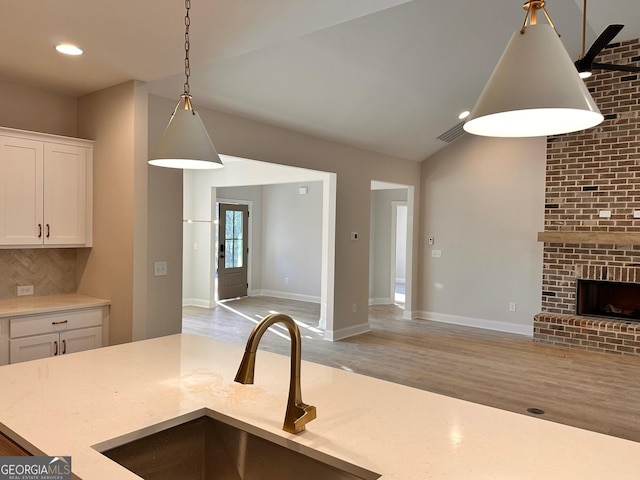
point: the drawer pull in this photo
(60, 323)
(55, 345)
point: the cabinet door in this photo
(21, 181)
(32, 348)
(79, 340)
(65, 194)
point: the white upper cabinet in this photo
(45, 190)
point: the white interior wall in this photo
(292, 241)
(197, 282)
(285, 245)
(400, 267)
(381, 241)
(483, 203)
(286, 240)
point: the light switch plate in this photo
(159, 269)
(436, 253)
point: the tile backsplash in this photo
(50, 271)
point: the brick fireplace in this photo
(590, 231)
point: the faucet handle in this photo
(297, 416)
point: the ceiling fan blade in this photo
(601, 42)
(620, 68)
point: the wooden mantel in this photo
(599, 238)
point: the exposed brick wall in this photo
(597, 169)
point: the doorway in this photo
(398, 254)
(232, 250)
(391, 245)
(203, 188)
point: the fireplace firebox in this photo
(602, 298)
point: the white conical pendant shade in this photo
(185, 142)
(534, 91)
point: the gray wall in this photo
(33, 109)
(483, 203)
(116, 267)
(292, 241)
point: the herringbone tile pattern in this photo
(50, 271)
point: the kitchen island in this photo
(66, 405)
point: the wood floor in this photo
(594, 391)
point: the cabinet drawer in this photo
(33, 348)
(54, 322)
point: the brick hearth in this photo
(597, 334)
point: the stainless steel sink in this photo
(222, 448)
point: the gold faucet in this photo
(298, 414)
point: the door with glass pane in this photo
(232, 250)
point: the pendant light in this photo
(185, 142)
(535, 89)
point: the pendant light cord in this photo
(584, 26)
(187, 67)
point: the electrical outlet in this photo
(436, 253)
(354, 308)
(512, 306)
(24, 290)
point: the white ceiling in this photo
(386, 75)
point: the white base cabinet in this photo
(46, 335)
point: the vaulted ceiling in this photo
(385, 75)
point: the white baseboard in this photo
(197, 302)
(518, 329)
(341, 334)
(289, 296)
(380, 301)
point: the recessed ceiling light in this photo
(464, 115)
(69, 49)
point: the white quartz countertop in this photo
(28, 305)
(64, 405)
